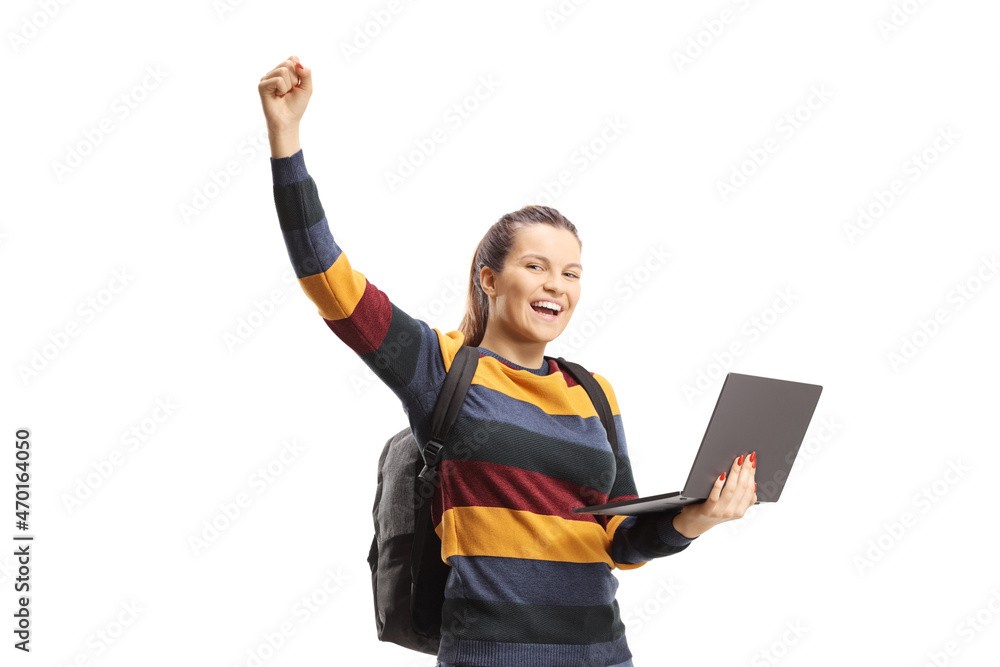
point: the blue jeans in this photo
(627, 663)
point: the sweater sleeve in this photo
(405, 353)
(636, 540)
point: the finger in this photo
(713, 495)
(274, 86)
(304, 75)
(747, 476)
(733, 492)
(734, 471)
(732, 479)
(279, 81)
(297, 74)
(747, 471)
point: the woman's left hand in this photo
(729, 499)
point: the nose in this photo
(554, 292)
(555, 285)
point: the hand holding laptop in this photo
(729, 499)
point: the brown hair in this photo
(492, 251)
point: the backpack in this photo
(408, 574)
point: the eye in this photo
(565, 274)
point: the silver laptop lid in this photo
(759, 414)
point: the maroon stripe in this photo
(476, 483)
(570, 382)
(368, 325)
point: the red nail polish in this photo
(299, 65)
(739, 461)
(755, 487)
(753, 455)
(722, 477)
(754, 464)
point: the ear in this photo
(488, 280)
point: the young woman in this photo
(530, 583)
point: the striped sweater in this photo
(531, 584)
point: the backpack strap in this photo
(428, 572)
(449, 402)
(597, 397)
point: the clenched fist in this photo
(284, 95)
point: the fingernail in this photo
(755, 487)
(753, 455)
(299, 65)
(754, 465)
(739, 461)
(722, 477)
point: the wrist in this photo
(284, 142)
(685, 524)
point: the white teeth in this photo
(548, 304)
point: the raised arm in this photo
(405, 353)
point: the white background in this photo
(855, 557)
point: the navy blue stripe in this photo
(288, 170)
(490, 404)
(535, 582)
(642, 538)
(311, 250)
(543, 370)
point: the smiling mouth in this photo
(546, 313)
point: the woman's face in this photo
(543, 265)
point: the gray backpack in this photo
(408, 575)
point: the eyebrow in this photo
(546, 259)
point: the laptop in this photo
(752, 413)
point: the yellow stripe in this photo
(609, 390)
(498, 531)
(547, 392)
(337, 290)
(449, 344)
